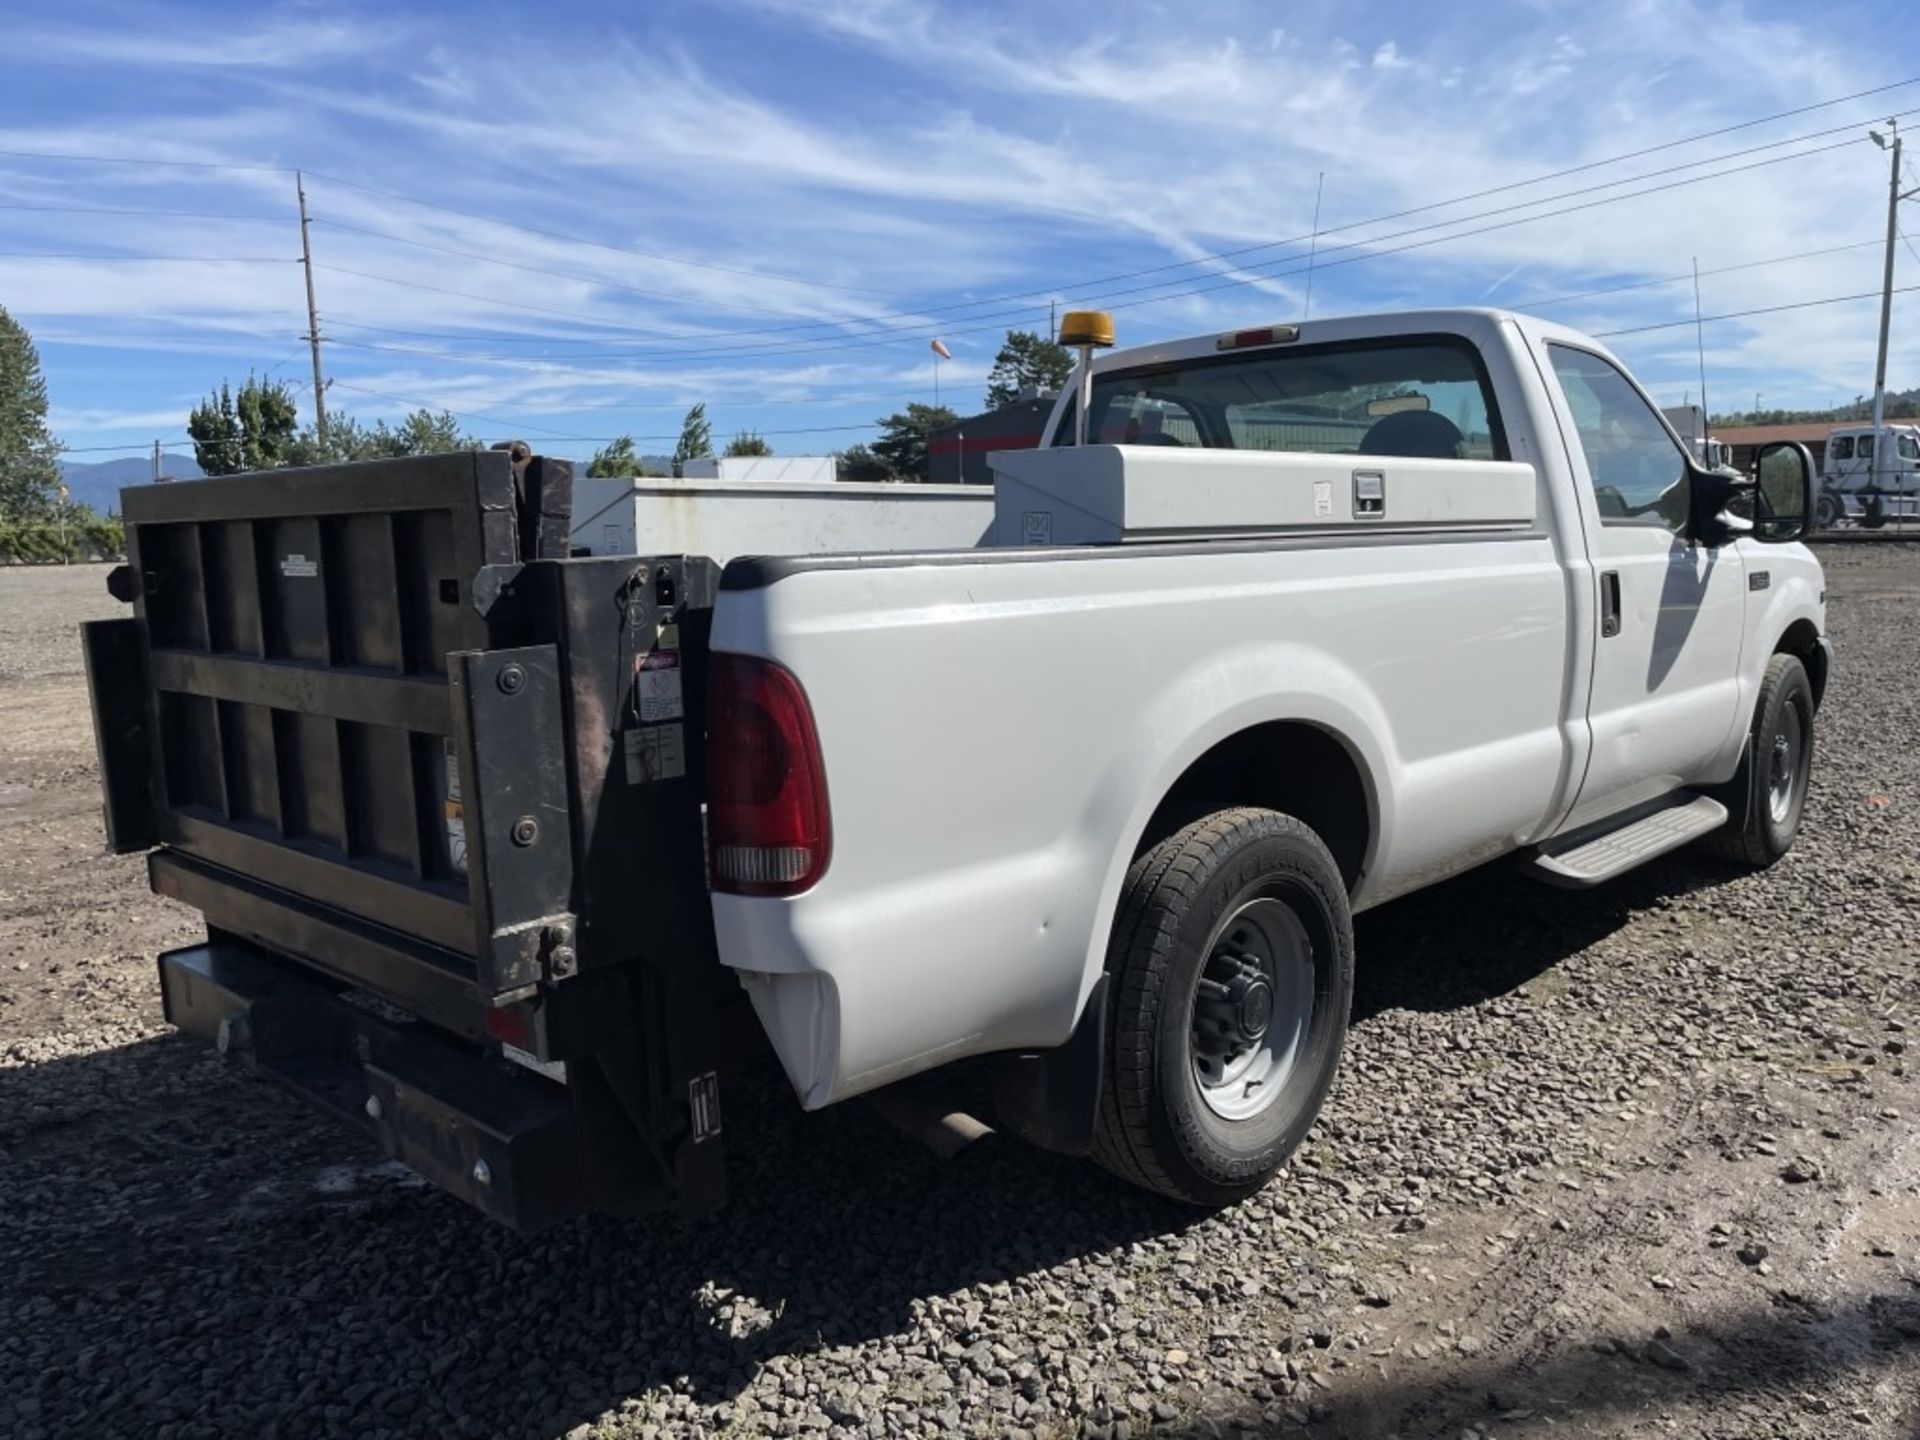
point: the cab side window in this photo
(1864, 448)
(1909, 448)
(1638, 470)
(1841, 448)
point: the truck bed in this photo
(1070, 686)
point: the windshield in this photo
(1420, 397)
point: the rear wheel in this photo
(1232, 965)
(1828, 511)
(1766, 798)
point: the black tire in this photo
(1759, 830)
(1829, 511)
(1156, 1128)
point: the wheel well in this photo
(1285, 765)
(1803, 640)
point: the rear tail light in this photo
(767, 819)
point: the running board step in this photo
(1614, 852)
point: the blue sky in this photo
(772, 205)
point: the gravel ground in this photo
(1634, 1161)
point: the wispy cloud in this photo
(790, 196)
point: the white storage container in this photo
(724, 518)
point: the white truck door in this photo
(1666, 662)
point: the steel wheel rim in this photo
(1252, 1009)
(1784, 768)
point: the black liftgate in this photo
(435, 787)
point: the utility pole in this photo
(156, 462)
(313, 317)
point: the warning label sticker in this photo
(299, 567)
(456, 814)
(657, 686)
(1036, 527)
(1322, 498)
(656, 752)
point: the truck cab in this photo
(1870, 476)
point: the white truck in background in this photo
(1870, 476)
(1316, 615)
(1690, 424)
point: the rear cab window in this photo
(1415, 397)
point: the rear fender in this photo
(1199, 709)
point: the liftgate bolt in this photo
(373, 1107)
(482, 1173)
(526, 830)
(510, 679)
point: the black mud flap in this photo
(1051, 1098)
(504, 1141)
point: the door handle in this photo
(1609, 603)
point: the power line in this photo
(1677, 279)
(143, 259)
(1212, 256)
(143, 160)
(843, 429)
(1762, 310)
(917, 330)
(919, 333)
(1175, 265)
(492, 300)
(919, 322)
(117, 210)
(537, 361)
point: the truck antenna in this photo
(1313, 245)
(1700, 345)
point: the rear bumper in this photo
(504, 1141)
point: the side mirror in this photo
(1720, 506)
(1783, 492)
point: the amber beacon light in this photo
(1087, 331)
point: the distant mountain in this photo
(1901, 405)
(97, 485)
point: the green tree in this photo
(428, 432)
(696, 437)
(858, 463)
(423, 432)
(615, 461)
(1026, 359)
(29, 455)
(902, 446)
(253, 429)
(746, 443)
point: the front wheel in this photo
(1766, 798)
(1829, 511)
(1232, 965)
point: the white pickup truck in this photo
(1345, 609)
(1315, 616)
